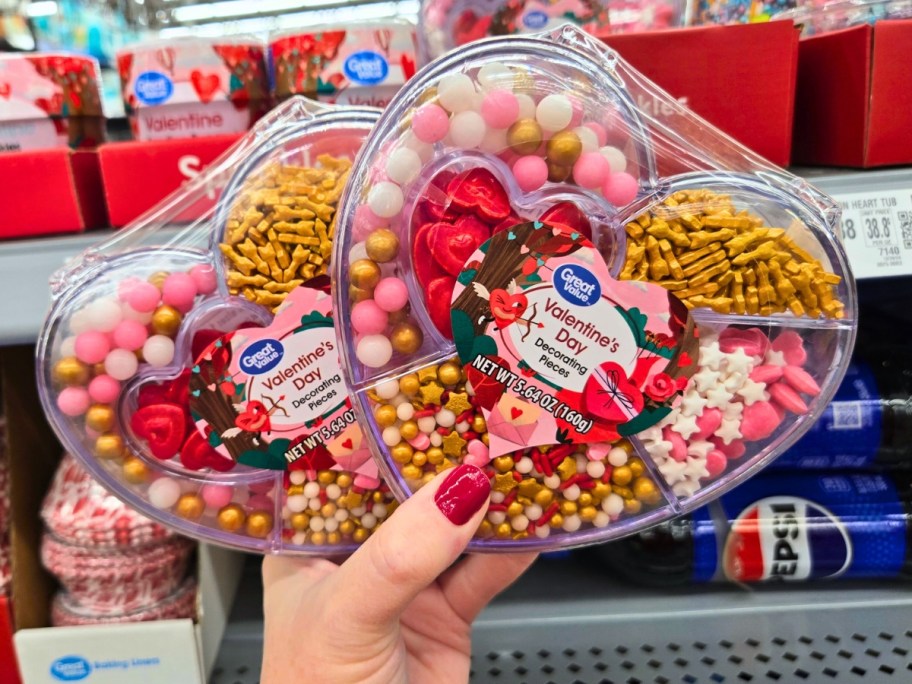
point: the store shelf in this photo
(566, 622)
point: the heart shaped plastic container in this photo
(142, 358)
(616, 316)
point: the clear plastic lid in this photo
(554, 272)
(832, 16)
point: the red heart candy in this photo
(197, 454)
(163, 426)
(479, 190)
(610, 396)
(152, 394)
(438, 296)
(426, 267)
(453, 244)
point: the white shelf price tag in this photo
(877, 232)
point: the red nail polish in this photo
(463, 493)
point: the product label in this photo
(848, 433)
(468, 20)
(70, 669)
(366, 68)
(877, 232)
(535, 20)
(274, 397)
(801, 527)
(556, 350)
(153, 88)
(190, 120)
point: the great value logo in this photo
(577, 285)
(262, 356)
(366, 68)
(786, 538)
(535, 19)
(153, 88)
(70, 668)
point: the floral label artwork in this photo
(556, 350)
(274, 397)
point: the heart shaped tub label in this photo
(274, 397)
(559, 352)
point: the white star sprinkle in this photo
(753, 391)
(668, 419)
(739, 362)
(700, 449)
(692, 404)
(711, 356)
(686, 488)
(696, 469)
(733, 410)
(651, 434)
(718, 397)
(706, 379)
(659, 450)
(673, 471)
(734, 382)
(728, 431)
(774, 358)
(685, 426)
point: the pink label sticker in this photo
(274, 397)
(557, 351)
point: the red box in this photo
(740, 78)
(854, 102)
(9, 670)
(50, 191)
(139, 175)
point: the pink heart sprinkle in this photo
(792, 347)
(753, 341)
(708, 423)
(766, 374)
(787, 398)
(759, 421)
(801, 380)
(678, 445)
(716, 463)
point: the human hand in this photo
(394, 611)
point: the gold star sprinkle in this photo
(430, 394)
(504, 483)
(458, 403)
(567, 468)
(453, 444)
(529, 488)
(426, 375)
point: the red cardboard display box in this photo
(740, 78)
(9, 671)
(854, 101)
(139, 175)
(50, 191)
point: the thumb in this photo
(417, 543)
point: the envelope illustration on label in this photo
(349, 449)
(513, 420)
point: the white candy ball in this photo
(341, 514)
(297, 503)
(572, 523)
(534, 511)
(602, 519)
(385, 199)
(617, 457)
(613, 504)
(317, 524)
(436, 439)
(572, 493)
(587, 137)
(330, 524)
(519, 523)
(456, 92)
(391, 436)
(496, 75)
(368, 521)
(164, 493)
(158, 351)
(357, 252)
(616, 159)
(299, 538)
(297, 477)
(497, 497)
(554, 112)
(524, 466)
(312, 489)
(595, 469)
(104, 314)
(121, 364)
(496, 517)
(68, 346)
(80, 321)
(462, 427)
(446, 418)
(403, 166)
(315, 504)
(387, 389)
(333, 491)
(495, 141)
(467, 130)
(427, 424)
(405, 411)
(526, 106)
(374, 351)
(543, 531)
(425, 151)
(552, 481)
(379, 510)
(398, 400)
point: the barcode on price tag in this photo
(877, 232)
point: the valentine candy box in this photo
(187, 87)
(615, 318)
(446, 24)
(194, 370)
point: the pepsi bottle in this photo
(780, 528)
(868, 423)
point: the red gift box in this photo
(50, 191)
(739, 78)
(9, 670)
(854, 101)
(139, 175)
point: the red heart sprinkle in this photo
(453, 244)
(438, 296)
(163, 426)
(479, 190)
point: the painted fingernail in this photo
(463, 493)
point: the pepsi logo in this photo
(784, 539)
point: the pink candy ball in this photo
(531, 172)
(591, 170)
(599, 131)
(73, 401)
(716, 463)
(204, 277)
(430, 123)
(179, 291)
(92, 346)
(104, 389)
(620, 189)
(500, 108)
(143, 297)
(708, 422)
(216, 496)
(368, 318)
(130, 335)
(125, 285)
(391, 294)
(759, 421)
